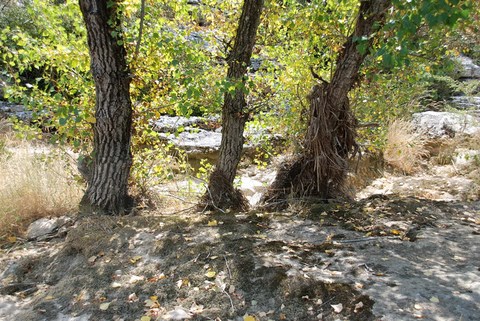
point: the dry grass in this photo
(405, 147)
(35, 182)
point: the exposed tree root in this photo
(222, 195)
(321, 170)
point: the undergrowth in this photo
(36, 182)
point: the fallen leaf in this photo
(135, 278)
(337, 307)
(212, 223)
(330, 252)
(12, 239)
(434, 299)
(249, 318)
(135, 259)
(149, 303)
(183, 282)
(282, 316)
(395, 232)
(145, 318)
(178, 314)
(358, 307)
(210, 274)
(116, 285)
(92, 259)
(196, 308)
(104, 306)
(418, 307)
(133, 297)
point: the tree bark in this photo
(107, 190)
(221, 193)
(321, 169)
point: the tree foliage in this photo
(181, 64)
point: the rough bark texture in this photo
(107, 190)
(322, 167)
(221, 193)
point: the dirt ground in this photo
(389, 256)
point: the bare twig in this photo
(230, 298)
(329, 300)
(362, 239)
(228, 268)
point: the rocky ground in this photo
(407, 249)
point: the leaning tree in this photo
(221, 193)
(107, 190)
(320, 169)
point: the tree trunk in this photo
(321, 169)
(221, 193)
(107, 190)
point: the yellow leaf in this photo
(151, 304)
(395, 232)
(249, 318)
(145, 318)
(211, 274)
(434, 299)
(12, 239)
(135, 259)
(183, 282)
(91, 119)
(104, 306)
(212, 223)
(154, 298)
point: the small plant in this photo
(404, 147)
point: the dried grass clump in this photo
(35, 183)
(405, 147)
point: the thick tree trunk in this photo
(322, 167)
(107, 190)
(221, 193)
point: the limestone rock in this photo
(42, 227)
(439, 124)
(467, 68)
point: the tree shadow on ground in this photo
(279, 266)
